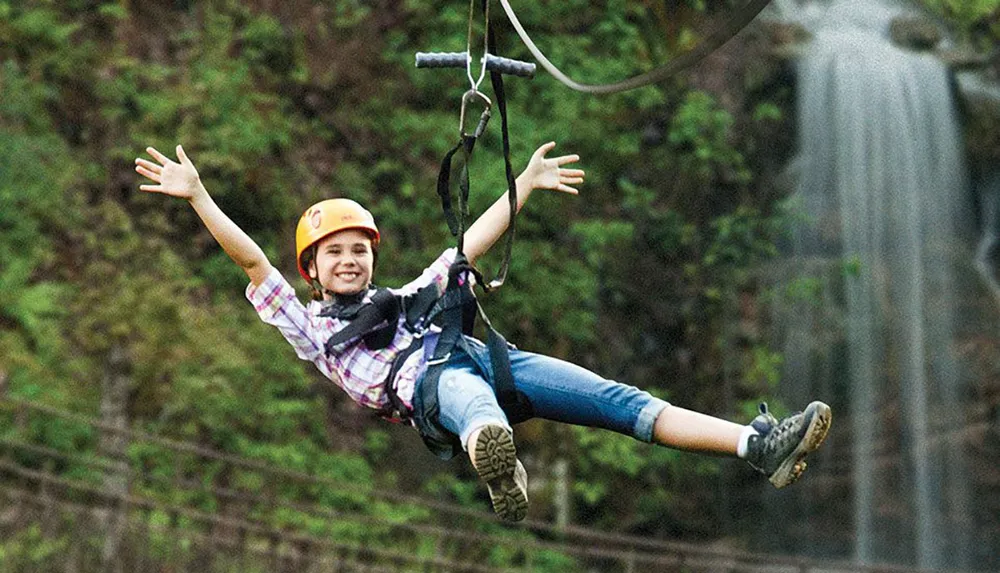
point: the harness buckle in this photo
(483, 119)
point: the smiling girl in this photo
(337, 244)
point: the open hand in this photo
(542, 173)
(175, 179)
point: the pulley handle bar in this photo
(461, 60)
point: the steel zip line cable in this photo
(722, 35)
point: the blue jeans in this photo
(557, 390)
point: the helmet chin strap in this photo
(342, 298)
(349, 298)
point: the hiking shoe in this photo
(780, 448)
(506, 479)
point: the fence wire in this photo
(66, 517)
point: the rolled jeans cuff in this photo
(647, 419)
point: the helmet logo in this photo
(316, 218)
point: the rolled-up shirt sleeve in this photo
(276, 304)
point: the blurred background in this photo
(812, 212)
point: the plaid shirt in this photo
(359, 371)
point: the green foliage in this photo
(767, 111)
(282, 107)
(764, 368)
(976, 20)
(852, 266)
(806, 289)
(741, 239)
(29, 549)
(33, 209)
(451, 487)
(699, 133)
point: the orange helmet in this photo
(328, 217)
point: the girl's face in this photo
(343, 262)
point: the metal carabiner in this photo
(483, 119)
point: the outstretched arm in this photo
(541, 173)
(182, 180)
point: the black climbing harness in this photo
(497, 66)
(374, 317)
(460, 306)
(375, 322)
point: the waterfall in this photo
(883, 182)
(988, 251)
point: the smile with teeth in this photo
(349, 276)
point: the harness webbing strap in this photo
(437, 438)
(419, 307)
(503, 379)
(467, 143)
(375, 322)
(444, 186)
(496, 79)
(457, 308)
(458, 305)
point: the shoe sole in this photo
(791, 469)
(496, 463)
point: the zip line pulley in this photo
(498, 67)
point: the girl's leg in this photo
(467, 403)
(695, 432)
(565, 392)
(469, 409)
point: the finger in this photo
(157, 155)
(572, 172)
(545, 148)
(567, 189)
(571, 180)
(149, 165)
(563, 160)
(147, 173)
(153, 188)
(182, 156)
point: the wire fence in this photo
(178, 507)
